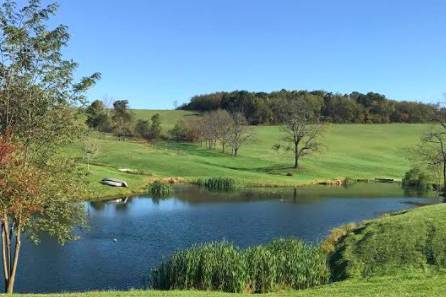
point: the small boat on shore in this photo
(114, 182)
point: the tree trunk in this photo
(235, 152)
(223, 147)
(5, 254)
(10, 260)
(444, 179)
(296, 156)
(18, 243)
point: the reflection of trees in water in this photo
(193, 194)
(307, 194)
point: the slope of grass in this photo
(415, 285)
(350, 150)
(168, 117)
(409, 241)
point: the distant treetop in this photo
(269, 108)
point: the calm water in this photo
(127, 238)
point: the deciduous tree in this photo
(98, 116)
(239, 133)
(122, 119)
(301, 131)
(38, 114)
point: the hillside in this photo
(349, 150)
(405, 242)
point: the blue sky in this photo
(155, 52)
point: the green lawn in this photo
(417, 285)
(168, 117)
(349, 150)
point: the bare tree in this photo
(431, 151)
(239, 132)
(301, 132)
(90, 150)
(209, 130)
(214, 128)
(223, 122)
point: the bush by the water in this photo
(412, 240)
(281, 264)
(159, 189)
(217, 183)
(418, 180)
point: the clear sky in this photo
(153, 52)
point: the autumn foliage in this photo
(6, 148)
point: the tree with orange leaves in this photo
(33, 199)
(38, 114)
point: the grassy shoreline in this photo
(428, 285)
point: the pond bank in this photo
(140, 186)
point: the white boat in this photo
(114, 182)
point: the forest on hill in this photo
(268, 108)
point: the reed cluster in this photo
(159, 189)
(217, 183)
(281, 264)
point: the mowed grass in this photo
(349, 150)
(415, 285)
(168, 117)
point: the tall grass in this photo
(159, 189)
(281, 264)
(213, 266)
(298, 264)
(217, 183)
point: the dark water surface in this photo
(128, 238)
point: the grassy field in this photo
(416, 285)
(350, 150)
(168, 117)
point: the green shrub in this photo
(283, 263)
(217, 183)
(348, 181)
(416, 179)
(159, 189)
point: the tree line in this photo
(270, 108)
(121, 121)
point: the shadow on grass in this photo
(201, 151)
(191, 149)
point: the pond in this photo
(128, 237)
